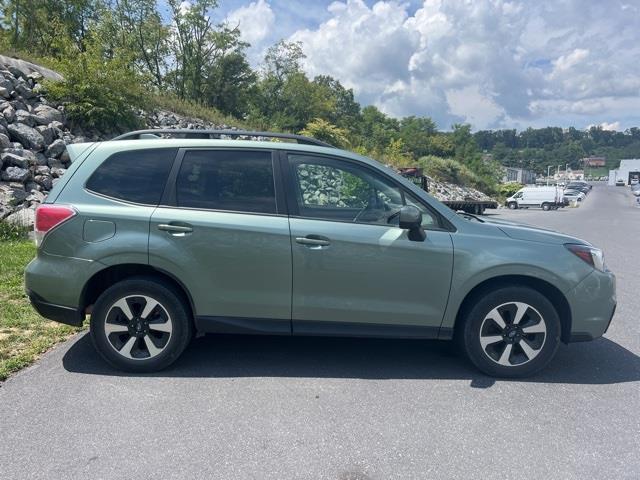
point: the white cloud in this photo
(255, 21)
(489, 62)
(610, 126)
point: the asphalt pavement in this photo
(345, 409)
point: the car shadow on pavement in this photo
(598, 362)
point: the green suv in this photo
(161, 234)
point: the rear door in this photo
(354, 270)
(223, 232)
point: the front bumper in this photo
(593, 304)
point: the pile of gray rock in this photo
(449, 192)
(33, 137)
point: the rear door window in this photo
(137, 176)
(231, 180)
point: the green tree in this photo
(230, 84)
(327, 132)
(98, 93)
(137, 27)
(416, 133)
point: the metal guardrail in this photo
(216, 134)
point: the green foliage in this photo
(535, 149)
(327, 132)
(49, 27)
(509, 189)
(99, 93)
(191, 109)
(448, 170)
(12, 232)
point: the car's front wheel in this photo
(140, 325)
(511, 332)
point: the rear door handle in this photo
(313, 241)
(173, 229)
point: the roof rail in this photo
(197, 133)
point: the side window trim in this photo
(289, 177)
(169, 197)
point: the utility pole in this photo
(548, 168)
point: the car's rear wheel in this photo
(511, 332)
(140, 325)
(546, 207)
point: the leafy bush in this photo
(508, 189)
(449, 170)
(99, 93)
(11, 232)
(327, 132)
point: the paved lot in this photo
(348, 409)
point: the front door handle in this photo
(314, 241)
(173, 229)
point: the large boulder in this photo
(27, 136)
(24, 218)
(4, 141)
(56, 148)
(24, 91)
(45, 181)
(13, 160)
(12, 194)
(9, 114)
(44, 115)
(23, 116)
(16, 174)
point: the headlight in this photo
(593, 256)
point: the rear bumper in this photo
(57, 313)
(593, 304)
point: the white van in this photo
(547, 198)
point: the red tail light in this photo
(49, 216)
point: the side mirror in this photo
(411, 219)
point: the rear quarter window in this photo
(137, 176)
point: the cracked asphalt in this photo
(238, 407)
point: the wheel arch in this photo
(555, 296)
(106, 277)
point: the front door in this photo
(223, 233)
(354, 270)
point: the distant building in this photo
(569, 175)
(520, 175)
(594, 161)
(628, 169)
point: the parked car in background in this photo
(620, 183)
(547, 198)
(158, 238)
(573, 195)
(579, 185)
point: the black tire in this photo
(171, 305)
(477, 322)
(546, 207)
(512, 205)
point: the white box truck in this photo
(547, 198)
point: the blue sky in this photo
(492, 63)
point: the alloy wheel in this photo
(138, 327)
(513, 334)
